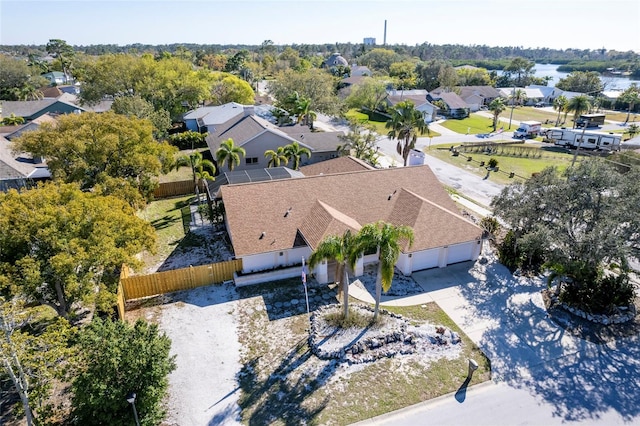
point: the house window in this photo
(251, 160)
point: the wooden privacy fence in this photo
(138, 286)
(175, 189)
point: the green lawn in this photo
(473, 125)
(548, 119)
(170, 217)
(378, 122)
(523, 162)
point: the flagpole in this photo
(306, 295)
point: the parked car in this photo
(540, 104)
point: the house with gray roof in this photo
(204, 119)
(31, 125)
(454, 105)
(418, 97)
(478, 96)
(272, 237)
(19, 170)
(257, 135)
(30, 110)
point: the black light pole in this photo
(131, 399)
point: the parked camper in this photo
(590, 120)
(528, 129)
(586, 139)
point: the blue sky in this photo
(559, 24)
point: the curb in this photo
(420, 405)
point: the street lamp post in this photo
(131, 399)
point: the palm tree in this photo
(276, 157)
(405, 124)
(340, 249)
(230, 154)
(294, 152)
(631, 97)
(579, 105)
(496, 106)
(201, 168)
(385, 237)
(519, 97)
(13, 120)
(560, 103)
(303, 111)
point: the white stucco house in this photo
(272, 225)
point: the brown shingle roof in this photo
(335, 165)
(364, 196)
(322, 221)
(433, 225)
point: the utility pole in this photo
(584, 128)
(513, 104)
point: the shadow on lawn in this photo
(284, 397)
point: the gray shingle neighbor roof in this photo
(243, 129)
(29, 108)
(406, 195)
(318, 141)
(212, 115)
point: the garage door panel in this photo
(425, 259)
(460, 252)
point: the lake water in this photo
(611, 83)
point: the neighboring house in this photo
(417, 97)
(324, 145)
(455, 106)
(32, 125)
(335, 60)
(19, 171)
(205, 119)
(360, 71)
(549, 92)
(30, 110)
(273, 225)
(57, 78)
(478, 96)
(256, 135)
(533, 95)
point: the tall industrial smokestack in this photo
(384, 40)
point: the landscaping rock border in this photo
(369, 345)
(624, 313)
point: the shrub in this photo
(188, 140)
(493, 163)
(117, 358)
(600, 294)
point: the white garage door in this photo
(460, 252)
(425, 259)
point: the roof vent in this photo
(262, 235)
(287, 212)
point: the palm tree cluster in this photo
(285, 154)
(384, 238)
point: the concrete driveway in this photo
(541, 374)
